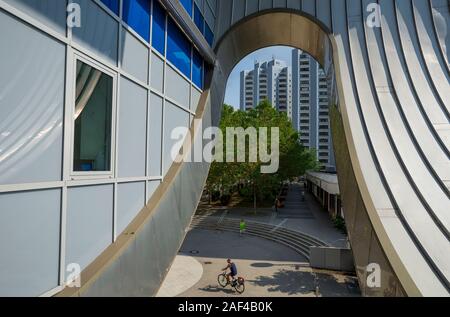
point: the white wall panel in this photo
(174, 118)
(89, 223)
(195, 99)
(52, 13)
(155, 120)
(157, 73)
(177, 88)
(130, 201)
(151, 188)
(32, 67)
(134, 56)
(98, 31)
(132, 129)
(29, 242)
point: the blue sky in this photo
(279, 52)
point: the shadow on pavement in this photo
(217, 289)
(298, 283)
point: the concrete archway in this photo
(308, 34)
(341, 53)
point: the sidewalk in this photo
(304, 216)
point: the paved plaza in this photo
(304, 216)
(269, 268)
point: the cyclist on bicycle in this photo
(233, 270)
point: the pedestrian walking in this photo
(242, 227)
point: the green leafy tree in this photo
(294, 158)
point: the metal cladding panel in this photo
(264, 4)
(195, 99)
(29, 235)
(174, 118)
(157, 73)
(52, 13)
(98, 32)
(89, 223)
(130, 200)
(177, 87)
(440, 10)
(31, 104)
(132, 126)
(238, 10)
(151, 188)
(155, 135)
(134, 56)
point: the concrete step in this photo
(295, 240)
(268, 227)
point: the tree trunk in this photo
(254, 198)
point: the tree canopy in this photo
(294, 158)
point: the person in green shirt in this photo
(242, 226)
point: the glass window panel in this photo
(93, 119)
(209, 35)
(197, 70)
(178, 49)
(158, 27)
(113, 5)
(187, 4)
(198, 18)
(136, 13)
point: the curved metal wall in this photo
(392, 82)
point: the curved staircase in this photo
(295, 240)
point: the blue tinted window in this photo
(113, 5)
(187, 4)
(136, 13)
(198, 18)
(178, 49)
(197, 70)
(209, 35)
(158, 27)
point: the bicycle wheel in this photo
(222, 279)
(240, 288)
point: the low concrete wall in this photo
(335, 259)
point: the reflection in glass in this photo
(178, 49)
(198, 18)
(197, 69)
(209, 35)
(93, 118)
(136, 13)
(158, 28)
(187, 4)
(113, 5)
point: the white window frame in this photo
(75, 175)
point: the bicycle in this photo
(238, 284)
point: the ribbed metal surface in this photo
(393, 86)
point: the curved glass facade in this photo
(67, 150)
